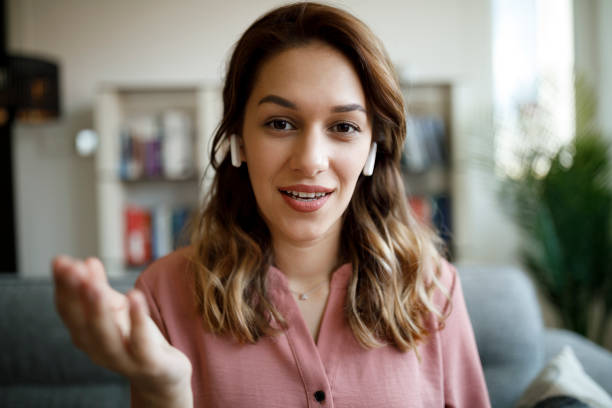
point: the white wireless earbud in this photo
(235, 150)
(368, 169)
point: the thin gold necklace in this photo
(304, 295)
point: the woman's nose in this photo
(310, 154)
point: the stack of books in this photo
(157, 146)
(425, 145)
(153, 232)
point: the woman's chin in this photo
(304, 234)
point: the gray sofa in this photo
(512, 342)
(39, 367)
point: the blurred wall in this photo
(593, 53)
(189, 40)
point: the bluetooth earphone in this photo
(235, 150)
(368, 168)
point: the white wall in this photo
(593, 53)
(605, 71)
(158, 40)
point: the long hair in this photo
(395, 259)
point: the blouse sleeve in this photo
(464, 383)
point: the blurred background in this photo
(116, 169)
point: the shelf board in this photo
(150, 180)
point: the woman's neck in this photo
(307, 263)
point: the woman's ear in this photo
(235, 150)
(368, 168)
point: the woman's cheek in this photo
(350, 167)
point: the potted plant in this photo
(562, 204)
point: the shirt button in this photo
(319, 396)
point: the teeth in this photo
(305, 196)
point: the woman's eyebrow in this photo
(277, 100)
(288, 104)
(348, 108)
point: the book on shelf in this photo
(137, 236)
(157, 145)
(421, 208)
(162, 231)
(434, 211)
(153, 232)
(177, 147)
(442, 217)
(180, 216)
(425, 144)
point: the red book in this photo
(138, 250)
(421, 208)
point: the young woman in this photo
(307, 282)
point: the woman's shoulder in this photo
(445, 287)
(447, 274)
(438, 272)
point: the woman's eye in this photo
(280, 124)
(345, 128)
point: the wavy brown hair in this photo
(395, 259)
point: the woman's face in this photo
(306, 137)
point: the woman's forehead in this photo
(313, 72)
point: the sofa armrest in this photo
(507, 323)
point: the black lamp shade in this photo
(29, 89)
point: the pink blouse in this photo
(291, 370)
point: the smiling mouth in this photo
(303, 196)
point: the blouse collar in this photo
(277, 281)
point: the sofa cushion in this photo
(564, 376)
(57, 396)
(36, 346)
(596, 360)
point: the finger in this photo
(60, 262)
(63, 273)
(96, 270)
(97, 274)
(70, 275)
(115, 302)
(102, 335)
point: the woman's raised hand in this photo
(115, 330)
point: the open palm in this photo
(114, 329)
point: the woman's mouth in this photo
(304, 198)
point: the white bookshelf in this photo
(432, 100)
(116, 105)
